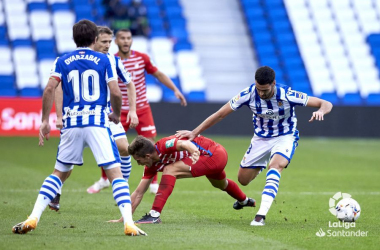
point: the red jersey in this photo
(166, 149)
(136, 64)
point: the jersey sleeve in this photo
(167, 145)
(241, 99)
(56, 72)
(110, 70)
(297, 98)
(149, 66)
(123, 74)
(148, 173)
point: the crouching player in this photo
(178, 158)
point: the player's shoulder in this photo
(140, 54)
(286, 88)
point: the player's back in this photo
(84, 74)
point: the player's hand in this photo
(116, 221)
(317, 115)
(185, 134)
(114, 118)
(59, 123)
(44, 132)
(132, 119)
(179, 96)
(195, 156)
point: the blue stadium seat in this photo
(373, 99)
(158, 33)
(30, 92)
(37, 6)
(182, 45)
(254, 12)
(60, 6)
(174, 12)
(196, 96)
(22, 42)
(46, 49)
(179, 34)
(264, 37)
(8, 92)
(353, 99)
(331, 97)
(6, 82)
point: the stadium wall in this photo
(22, 117)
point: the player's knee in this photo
(123, 151)
(243, 181)
(278, 167)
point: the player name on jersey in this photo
(73, 58)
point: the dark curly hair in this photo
(141, 146)
(265, 75)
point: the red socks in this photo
(234, 191)
(164, 191)
(104, 176)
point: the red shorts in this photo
(146, 125)
(210, 166)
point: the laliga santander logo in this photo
(335, 198)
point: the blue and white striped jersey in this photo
(85, 75)
(275, 116)
(122, 73)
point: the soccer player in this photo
(275, 131)
(176, 159)
(102, 45)
(88, 79)
(137, 63)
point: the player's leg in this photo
(118, 133)
(147, 128)
(281, 154)
(55, 202)
(70, 151)
(231, 188)
(104, 149)
(169, 176)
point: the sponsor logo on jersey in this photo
(169, 143)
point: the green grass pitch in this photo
(196, 216)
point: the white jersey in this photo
(123, 74)
(275, 116)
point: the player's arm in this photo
(115, 98)
(132, 115)
(58, 106)
(324, 107)
(47, 104)
(169, 83)
(209, 122)
(138, 194)
(189, 147)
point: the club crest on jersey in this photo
(169, 143)
(280, 104)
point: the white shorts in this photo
(98, 139)
(117, 131)
(261, 150)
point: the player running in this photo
(102, 45)
(276, 134)
(177, 159)
(137, 64)
(88, 79)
